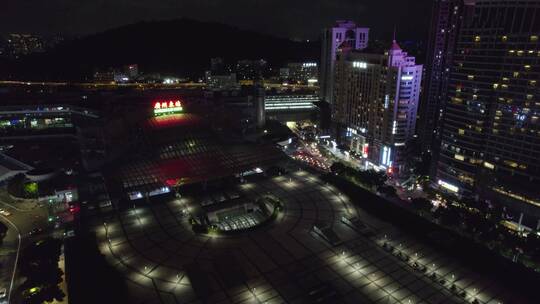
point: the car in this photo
(36, 231)
(3, 293)
(4, 212)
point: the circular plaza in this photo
(308, 253)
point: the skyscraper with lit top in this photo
(332, 38)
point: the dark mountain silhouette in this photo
(181, 47)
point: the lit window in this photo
(504, 38)
(459, 157)
(461, 132)
(489, 165)
(470, 77)
(495, 85)
(448, 186)
(534, 38)
(511, 163)
(476, 38)
(527, 67)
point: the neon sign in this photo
(167, 107)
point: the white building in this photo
(332, 39)
(376, 100)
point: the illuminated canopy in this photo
(167, 107)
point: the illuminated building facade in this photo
(220, 81)
(287, 102)
(332, 38)
(303, 72)
(445, 21)
(251, 69)
(24, 44)
(34, 120)
(491, 137)
(376, 101)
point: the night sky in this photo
(301, 19)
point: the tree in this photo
(30, 190)
(39, 264)
(19, 186)
(15, 185)
(388, 190)
(448, 216)
(421, 203)
(3, 230)
(338, 168)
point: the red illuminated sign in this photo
(365, 150)
(167, 107)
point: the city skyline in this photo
(183, 161)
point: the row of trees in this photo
(480, 220)
(39, 264)
(369, 178)
(483, 223)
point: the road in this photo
(19, 223)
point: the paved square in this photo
(284, 261)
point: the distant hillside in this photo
(182, 47)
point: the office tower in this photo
(445, 21)
(303, 72)
(284, 74)
(375, 102)
(217, 66)
(332, 38)
(132, 71)
(490, 145)
(251, 69)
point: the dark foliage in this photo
(367, 177)
(91, 279)
(39, 264)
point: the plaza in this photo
(163, 261)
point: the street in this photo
(24, 217)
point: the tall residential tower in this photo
(332, 38)
(445, 21)
(375, 101)
(491, 137)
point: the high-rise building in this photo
(375, 103)
(445, 21)
(132, 71)
(344, 32)
(303, 72)
(251, 69)
(490, 145)
(217, 66)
